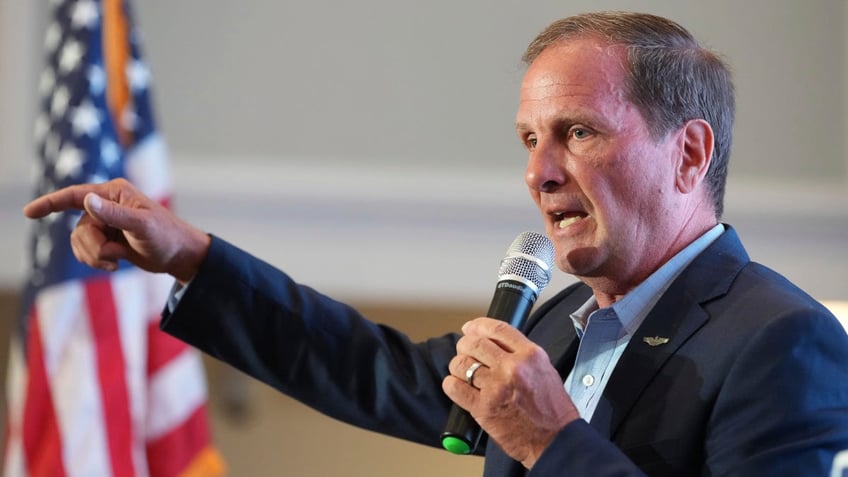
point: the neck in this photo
(611, 287)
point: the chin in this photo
(579, 261)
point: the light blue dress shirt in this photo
(605, 332)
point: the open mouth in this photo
(564, 219)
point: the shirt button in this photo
(588, 380)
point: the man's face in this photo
(604, 186)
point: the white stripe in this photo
(158, 288)
(147, 167)
(176, 391)
(72, 372)
(128, 290)
(178, 387)
(14, 460)
(16, 379)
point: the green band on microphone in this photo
(455, 445)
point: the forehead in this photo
(583, 68)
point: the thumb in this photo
(111, 213)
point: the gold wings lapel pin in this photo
(655, 340)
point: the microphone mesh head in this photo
(529, 258)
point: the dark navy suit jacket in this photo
(753, 380)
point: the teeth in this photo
(568, 221)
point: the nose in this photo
(545, 168)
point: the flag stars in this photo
(110, 153)
(43, 239)
(70, 56)
(46, 82)
(72, 219)
(49, 220)
(86, 119)
(97, 178)
(59, 102)
(52, 37)
(42, 127)
(96, 80)
(138, 75)
(43, 249)
(85, 14)
(51, 146)
(37, 277)
(69, 162)
(129, 119)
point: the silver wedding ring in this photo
(469, 373)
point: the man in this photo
(675, 355)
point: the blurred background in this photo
(368, 149)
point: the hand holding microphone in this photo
(502, 379)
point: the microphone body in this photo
(524, 272)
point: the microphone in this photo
(523, 274)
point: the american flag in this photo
(94, 388)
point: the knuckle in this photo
(535, 353)
(454, 365)
(468, 344)
(500, 326)
(500, 398)
(121, 182)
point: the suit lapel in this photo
(641, 361)
(676, 317)
(555, 333)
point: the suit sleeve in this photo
(317, 350)
(579, 450)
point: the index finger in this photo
(71, 197)
(496, 330)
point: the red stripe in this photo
(170, 454)
(111, 370)
(41, 440)
(162, 348)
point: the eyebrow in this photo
(521, 126)
(574, 116)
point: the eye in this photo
(579, 133)
(531, 141)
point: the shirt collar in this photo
(633, 307)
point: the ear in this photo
(696, 150)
